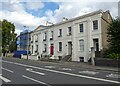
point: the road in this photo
(19, 71)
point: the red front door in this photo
(52, 49)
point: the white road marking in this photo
(34, 80)
(88, 72)
(4, 79)
(30, 70)
(113, 76)
(7, 70)
(50, 66)
(83, 76)
(65, 69)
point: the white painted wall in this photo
(88, 35)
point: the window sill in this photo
(80, 51)
(69, 34)
(81, 32)
(59, 36)
(95, 30)
(44, 39)
(51, 38)
(59, 51)
(44, 51)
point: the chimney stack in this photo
(64, 19)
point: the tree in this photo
(114, 36)
(8, 36)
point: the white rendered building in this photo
(74, 37)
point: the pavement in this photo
(19, 71)
(89, 66)
(84, 65)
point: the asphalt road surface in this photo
(19, 71)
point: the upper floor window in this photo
(81, 45)
(60, 33)
(36, 38)
(36, 48)
(95, 24)
(60, 46)
(69, 31)
(32, 38)
(44, 36)
(45, 48)
(81, 27)
(51, 35)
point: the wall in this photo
(104, 25)
(88, 35)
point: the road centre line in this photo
(4, 79)
(7, 70)
(30, 70)
(83, 76)
(34, 80)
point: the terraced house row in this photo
(71, 39)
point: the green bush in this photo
(113, 56)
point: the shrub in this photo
(114, 56)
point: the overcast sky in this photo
(32, 13)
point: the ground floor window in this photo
(81, 45)
(81, 59)
(60, 57)
(60, 46)
(32, 49)
(45, 48)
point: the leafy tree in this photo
(114, 36)
(8, 36)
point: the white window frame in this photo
(59, 33)
(97, 25)
(45, 36)
(51, 34)
(68, 31)
(81, 45)
(80, 28)
(44, 47)
(59, 46)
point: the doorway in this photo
(96, 44)
(70, 48)
(52, 49)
